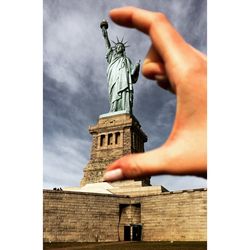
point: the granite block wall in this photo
(175, 216)
(86, 217)
(80, 217)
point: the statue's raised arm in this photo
(104, 26)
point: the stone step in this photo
(127, 183)
(137, 191)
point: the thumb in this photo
(179, 155)
(137, 165)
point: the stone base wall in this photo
(80, 217)
(112, 137)
(86, 217)
(177, 216)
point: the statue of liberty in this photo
(121, 74)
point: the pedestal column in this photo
(115, 134)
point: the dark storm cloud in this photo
(75, 87)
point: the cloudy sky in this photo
(75, 88)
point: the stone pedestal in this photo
(115, 134)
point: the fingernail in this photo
(160, 78)
(113, 175)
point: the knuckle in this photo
(158, 17)
(194, 66)
(130, 167)
(194, 69)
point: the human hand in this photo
(182, 69)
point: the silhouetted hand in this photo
(182, 69)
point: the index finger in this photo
(164, 37)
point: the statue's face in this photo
(119, 48)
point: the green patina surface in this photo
(121, 74)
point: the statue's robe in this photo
(121, 75)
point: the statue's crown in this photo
(120, 42)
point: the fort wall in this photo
(80, 217)
(175, 216)
(87, 217)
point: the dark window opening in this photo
(110, 137)
(117, 137)
(102, 140)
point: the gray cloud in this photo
(75, 88)
(173, 183)
(64, 159)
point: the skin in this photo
(178, 67)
